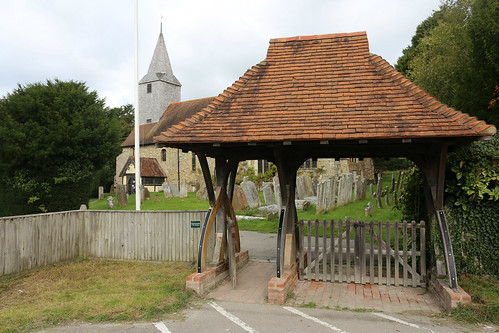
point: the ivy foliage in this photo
(56, 138)
(475, 174)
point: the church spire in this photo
(159, 87)
(160, 67)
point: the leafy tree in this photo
(454, 56)
(126, 116)
(56, 136)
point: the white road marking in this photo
(318, 321)
(400, 321)
(233, 318)
(162, 327)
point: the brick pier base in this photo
(203, 282)
(278, 288)
(447, 297)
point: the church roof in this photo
(323, 87)
(174, 114)
(149, 167)
(160, 68)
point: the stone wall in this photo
(169, 166)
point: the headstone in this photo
(309, 186)
(268, 193)
(387, 202)
(394, 197)
(379, 190)
(269, 211)
(251, 193)
(239, 199)
(202, 193)
(110, 202)
(101, 192)
(183, 190)
(157, 199)
(326, 195)
(345, 189)
(174, 189)
(300, 188)
(146, 194)
(277, 191)
(371, 190)
(368, 211)
(360, 189)
(392, 184)
(167, 191)
(83, 207)
(302, 204)
(121, 195)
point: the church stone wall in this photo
(170, 166)
(152, 105)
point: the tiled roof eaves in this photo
(219, 100)
(474, 126)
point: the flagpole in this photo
(138, 182)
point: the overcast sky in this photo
(211, 43)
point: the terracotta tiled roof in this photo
(174, 114)
(149, 167)
(326, 87)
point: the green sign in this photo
(195, 224)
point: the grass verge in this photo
(92, 291)
(484, 292)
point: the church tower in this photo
(159, 87)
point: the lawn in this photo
(354, 210)
(92, 291)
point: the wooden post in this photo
(433, 167)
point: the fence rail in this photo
(375, 252)
(31, 241)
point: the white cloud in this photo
(210, 43)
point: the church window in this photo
(163, 155)
(149, 88)
(193, 161)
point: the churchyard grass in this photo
(93, 291)
(484, 292)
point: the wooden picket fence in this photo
(31, 241)
(374, 252)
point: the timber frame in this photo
(429, 155)
(321, 96)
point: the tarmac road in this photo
(240, 317)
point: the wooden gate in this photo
(375, 252)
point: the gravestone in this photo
(392, 184)
(310, 191)
(121, 195)
(360, 189)
(167, 191)
(146, 195)
(300, 188)
(174, 189)
(326, 195)
(379, 190)
(345, 189)
(368, 211)
(277, 191)
(183, 190)
(302, 204)
(101, 192)
(251, 194)
(110, 202)
(239, 199)
(83, 207)
(268, 193)
(157, 199)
